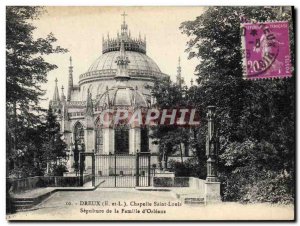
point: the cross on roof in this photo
(123, 15)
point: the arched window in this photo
(144, 140)
(121, 140)
(79, 133)
(99, 140)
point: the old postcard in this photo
(150, 113)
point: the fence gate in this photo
(122, 170)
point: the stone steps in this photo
(28, 203)
(29, 199)
(21, 204)
(191, 198)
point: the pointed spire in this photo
(89, 103)
(70, 81)
(56, 93)
(122, 62)
(140, 36)
(62, 93)
(178, 77)
(124, 26)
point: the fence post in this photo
(149, 170)
(93, 169)
(81, 168)
(115, 170)
(137, 166)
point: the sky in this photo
(80, 30)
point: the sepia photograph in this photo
(150, 113)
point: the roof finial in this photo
(56, 94)
(122, 62)
(124, 25)
(123, 15)
(178, 77)
(62, 93)
(70, 81)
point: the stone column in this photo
(89, 146)
(134, 140)
(212, 185)
(108, 140)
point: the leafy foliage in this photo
(256, 119)
(26, 70)
(41, 148)
(169, 137)
(189, 168)
(53, 147)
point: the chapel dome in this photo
(139, 63)
(122, 96)
(141, 66)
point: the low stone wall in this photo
(18, 185)
(197, 183)
(191, 182)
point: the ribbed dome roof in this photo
(138, 61)
(122, 96)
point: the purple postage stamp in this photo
(266, 50)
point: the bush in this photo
(250, 172)
(163, 182)
(189, 168)
(274, 188)
(180, 170)
(59, 170)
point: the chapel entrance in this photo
(121, 170)
(121, 140)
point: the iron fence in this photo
(122, 170)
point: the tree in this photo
(261, 111)
(26, 70)
(169, 137)
(53, 147)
